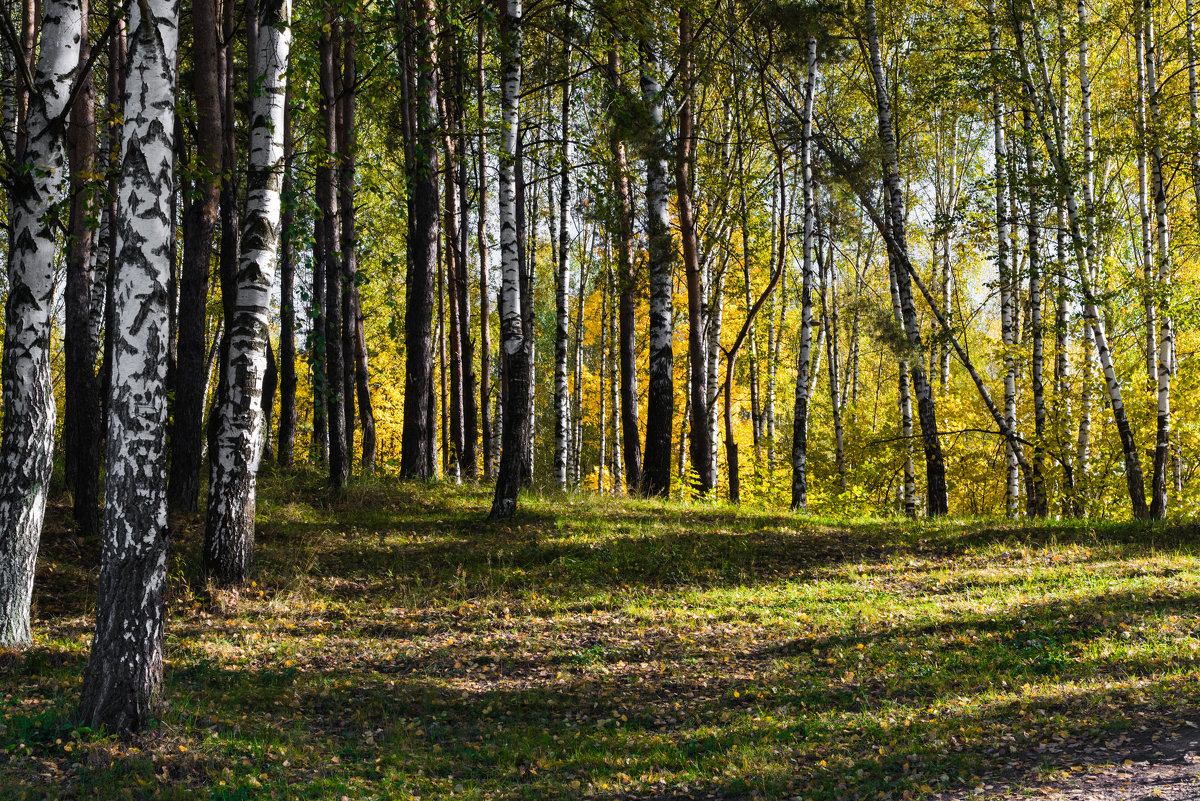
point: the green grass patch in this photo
(393, 645)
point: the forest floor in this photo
(394, 645)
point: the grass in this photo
(393, 645)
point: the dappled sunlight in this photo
(398, 649)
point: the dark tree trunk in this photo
(358, 382)
(416, 451)
(326, 178)
(82, 421)
(485, 339)
(316, 344)
(199, 231)
(700, 442)
(287, 298)
(270, 385)
(631, 450)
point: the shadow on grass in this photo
(385, 689)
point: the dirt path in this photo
(1142, 765)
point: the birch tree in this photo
(660, 398)
(512, 335)
(123, 680)
(804, 357)
(229, 526)
(38, 187)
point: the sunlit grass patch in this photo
(394, 645)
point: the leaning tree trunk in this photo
(512, 334)
(1045, 106)
(935, 468)
(229, 527)
(800, 416)
(122, 683)
(660, 393)
(82, 421)
(416, 442)
(27, 443)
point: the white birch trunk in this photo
(124, 672)
(804, 357)
(512, 336)
(1166, 335)
(716, 313)
(27, 442)
(660, 391)
(1004, 273)
(1040, 96)
(1145, 85)
(229, 527)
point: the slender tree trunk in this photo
(229, 526)
(270, 385)
(700, 444)
(509, 478)
(447, 449)
(603, 375)
(909, 486)
(776, 327)
(1166, 333)
(935, 470)
(1193, 101)
(287, 300)
(356, 350)
(122, 683)
(614, 383)
(82, 422)
(660, 398)
(199, 231)
(1004, 270)
(561, 408)
(316, 344)
(577, 402)
(470, 416)
(1144, 54)
(1036, 492)
(712, 361)
(27, 443)
(1040, 96)
(829, 320)
(800, 416)
(453, 342)
(485, 339)
(229, 247)
(627, 301)
(335, 415)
